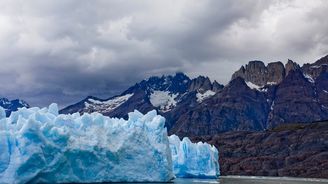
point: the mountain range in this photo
(258, 97)
(269, 120)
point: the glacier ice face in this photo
(193, 160)
(40, 146)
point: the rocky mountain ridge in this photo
(259, 74)
(258, 97)
(161, 93)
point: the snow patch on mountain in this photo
(108, 105)
(271, 83)
(316, 66)
(259, 88)
(272, 106)
(309, 78)
(253, 86)
(164, 100)
(203, 96)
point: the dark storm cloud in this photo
(61, 51)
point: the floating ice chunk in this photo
(40, 146)
(196, 160)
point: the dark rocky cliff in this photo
(297, 150)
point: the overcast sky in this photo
(63, 50)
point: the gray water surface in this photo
(253, 180)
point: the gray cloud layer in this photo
(61, 51)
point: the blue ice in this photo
(40, 146)
(193, 160)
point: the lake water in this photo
(247, 180)
(251, 180)
(254, 180)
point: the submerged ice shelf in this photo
(41, 146)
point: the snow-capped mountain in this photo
(258, 97)
(162, 93)
(12, 105)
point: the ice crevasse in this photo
(41, 146)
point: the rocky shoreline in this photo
(295, 150)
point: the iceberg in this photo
(193, 160)
(41, 146)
